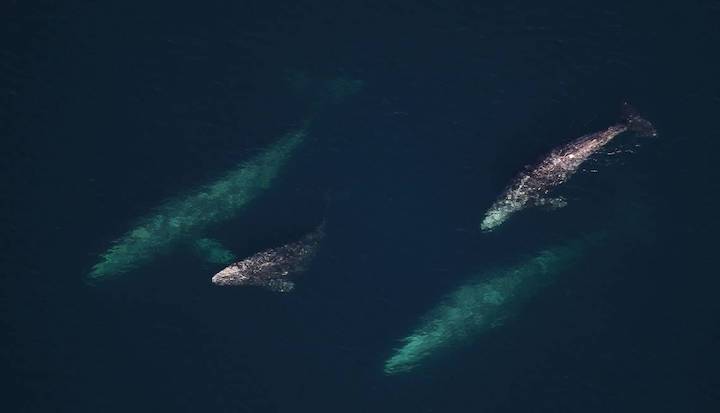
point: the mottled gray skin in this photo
(272, 268)
(532, 187)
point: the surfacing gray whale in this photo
(531, 187)
(273, 268)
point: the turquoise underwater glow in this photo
(213, 251)
(485, 301)
(185, 217)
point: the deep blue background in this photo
(108, 108)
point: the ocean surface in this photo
(110, 109)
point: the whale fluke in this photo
(636, 123)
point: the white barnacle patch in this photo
(493, 218)
(503, 208)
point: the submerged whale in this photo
(273, 268)
(485, 301)
(532, 187)
(181, 221)
(186, 220)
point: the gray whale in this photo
(532, 187)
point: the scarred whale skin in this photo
(272, 268)
(531, 187)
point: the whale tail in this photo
(636, 123)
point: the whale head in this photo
(231, 275)
(493, 219)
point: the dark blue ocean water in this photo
(109, 108)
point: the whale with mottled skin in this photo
(274, 267)
(532, 187)
(188, 220)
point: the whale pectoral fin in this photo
(279, 285)
(551, 203)
(212, 251)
